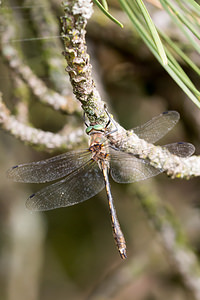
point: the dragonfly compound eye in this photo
(89, 129)
(96, 127)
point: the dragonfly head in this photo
(95, 128)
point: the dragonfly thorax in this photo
(99, 152)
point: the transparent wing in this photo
(180, 149)
(131, 169)
(77, 187)
(49, 169)
(157, 127)
(126, 168)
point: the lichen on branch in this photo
(78, 67)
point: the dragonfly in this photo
(80, 175)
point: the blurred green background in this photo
(70, 253)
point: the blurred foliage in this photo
(185, 16)
(76, 255)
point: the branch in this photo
(73, 25)
(79, 68)
(80, 74)
(173, 239)
(179, 254)
(46, 25)
(158, 157)
(36, 137)
(40, 90)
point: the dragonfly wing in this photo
(126, 168)
(49, 169)
(157, 127)
(180, 149)
(77, 187)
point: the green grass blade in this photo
(182, 75)
(196, 100)
(173, 68)
(177, 50)
(180, 25)
(105, 4)
(153, 31)
(194, 5)
(107, 13)
(183, 19)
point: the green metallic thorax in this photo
(96, 127)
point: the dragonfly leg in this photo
(109, 121)
(85, 120)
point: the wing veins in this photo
(49, 169)
(156, 128)
(78, 186)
